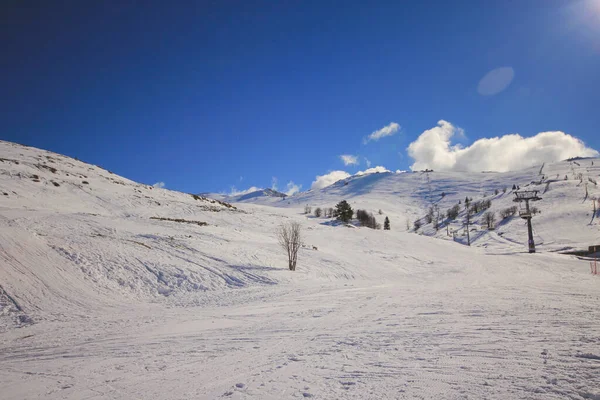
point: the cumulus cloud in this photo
(348, 159)
(322, 181)
(495, 81)
(372, 170)
(159, 185)
(387, 130)
(292, 188)
(235, 192)
(433, 149)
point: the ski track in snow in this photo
(384, 341)
(97, 301)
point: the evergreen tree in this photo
(386, 224)
(343, 212)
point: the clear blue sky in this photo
(199, 94)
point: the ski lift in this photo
(525, 196)
(525, 212)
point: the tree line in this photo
(343, 212)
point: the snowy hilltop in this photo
(115, 289)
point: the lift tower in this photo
(527, 196)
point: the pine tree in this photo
(386, 224)
(343, 212)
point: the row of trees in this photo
(367, 219)
(472, 207)
(475, 207)
(343, 212)
(324, 212)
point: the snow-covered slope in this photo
(114, 289)
(566, 220)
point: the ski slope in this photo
(103, 297)
(566, 222)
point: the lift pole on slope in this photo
(527, 196)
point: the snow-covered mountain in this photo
(566, 220)
(114, 289)
(255, 196)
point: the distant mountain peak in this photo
(261, 193)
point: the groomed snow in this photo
(100, 301)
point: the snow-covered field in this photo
(98, 300)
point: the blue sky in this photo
(208, 95)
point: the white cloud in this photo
(292, 188)
(274, 183)
(372, 171)
(322, 181)
(400, 171)
(349, 159)
(383, 132)
(235, 192)
(159, 185)
(433, 149)
(495, 81)
(367, 162)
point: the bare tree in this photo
(307, 209)
(430, 214)
(490, 219)
(290, 239)
(318, 212)
(453, 212)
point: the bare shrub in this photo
(509, 212)
(417, 225)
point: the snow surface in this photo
(98, 300)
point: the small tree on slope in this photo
(343, 212)
(290, 239)
(386, 224)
